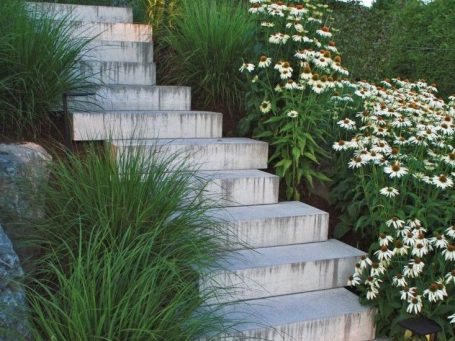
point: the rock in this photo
(13, 307)
(23, 171)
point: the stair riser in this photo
(244, 191)
(99, 126)
(354, 326)
(281, 231)
(112, 31)
(130, 98)
(119, 51)
(86, 13)
(113, 73)
(284, 279)
(214, 156)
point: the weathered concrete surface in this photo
(325, 315)
(13, 307)
(205, 154)
(133, 124)
(119, 51)
(283, 270)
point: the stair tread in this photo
(190, 142)
(289, 254)
(260, 212)
(287, 309)
(147, 112)
(236, 174)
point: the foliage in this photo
(400, 140)
(290, 85)
(38, 63)
(206, 45)
(422, 43)
(122, 244)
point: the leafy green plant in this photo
(290, 86)
(123, 243)
(207, 43)
(38, 63)
(399, 141)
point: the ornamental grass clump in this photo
(122, 246)
(297, 69)
(398, 140)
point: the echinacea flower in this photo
(395, 222)
(396, 170)
(435, 292)
(292, 113)
(389, 192)
(354, 280)
(399, 280)
(346, 124)
(442, 181)
(450, 277)
(265, 106)
(247, 67)
(384, 253)
(264, 62)
(415, 305)
(451, 319)
(449, 253)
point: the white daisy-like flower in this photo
(399, 280)
(415, 305)
(414, 269)
(372, 293)
(279, 38)
(324, 32)
(389, 192)
(377, 269)
(450, 159)
(267, 24)
(357, 162)
(400, 249)
(264, 62)
(442, 181)
(450, 277)
(395, 222)
(365, 262)
(415, 223)
(340, 145)
(347, 124)
(449, 253)
(450, 231)
(421, 248)
(435, 292)
(247, 67)
(384, 253)
(292, 85)
(354, 280)
(408, 293)
(265, 106)
(439, 241)
(384, 239)
(292, 113)
(451, 319)
(396, 170)
(256, 8)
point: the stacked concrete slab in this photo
(289, 285)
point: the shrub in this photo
(400, 144)
(207, 44)
(38, 63)
(290, 85)
(122, 246)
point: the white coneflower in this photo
(357, 162)
(340, 145)
(298, 10)
(324, 32)
(449, 253)
(265, 106)
(442, 181)
(346, 123)
(292, 85)
(267, 24)
(415, 305)
(384, 239)
(420, 248)
(450, 159)
(389, 192)
(396, 170)
(409, 239)
(400, 249)
(264, 62)
(414, 269)
(450, 277)
(414, 223)
(354, 280)
(292, 113)
(395, 222)
(382, 147)
(279, 38)
(373, 282)
(407, 293)
(247, 67)
(256, 8)
(439, 241)
(450, 231)
(435, 292)
(399, 280)
(451, 318)
(365, 262)
(377, 269)
(372, 293)
(384, 253)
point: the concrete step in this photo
(285, 223)
(85, 13)
(119, 51)
(241, 187)
(90, 126)
(326, 315)
(120, 73)
(283, 270)
(112, 31)
(204, 154)
(134, 97)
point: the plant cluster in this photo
(39, 61)
(398, 139)
(296, 72)
(122, 246)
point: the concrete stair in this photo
(286, 276)
(204, 154)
